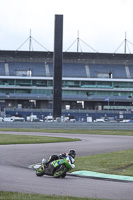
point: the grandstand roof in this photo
(66, 55)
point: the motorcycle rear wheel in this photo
(60, 171)
(40, 171)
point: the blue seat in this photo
(37, 69)
(118, 71)
(2, 69)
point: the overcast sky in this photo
(101, 24)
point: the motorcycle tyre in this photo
(40, 172)
(62, 175)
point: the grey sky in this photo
(101, 24)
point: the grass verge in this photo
(30, 139)
(118, 163)
(20, 196)
(74, 131)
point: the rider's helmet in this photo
(72, 153)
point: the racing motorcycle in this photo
(56, 168)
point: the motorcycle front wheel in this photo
(60, 171)
(40, 171)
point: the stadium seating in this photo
(97, 69)
(37, 69)
(2, 69)
(73, 70)
(131, 70)
(51, 69)
(68, 70)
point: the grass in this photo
(74, 131)
(20, 196)
(30, 139)
(119, 163)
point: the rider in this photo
(71, 153)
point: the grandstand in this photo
(91, 83)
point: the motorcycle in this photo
(56, 168)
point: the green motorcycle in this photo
(57, 168)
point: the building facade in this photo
(90, 81)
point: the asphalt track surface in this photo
(16, 176)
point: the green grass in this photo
(30, 139)
(79, 131)
(118, 163)
(20, 196)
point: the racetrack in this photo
(15, 175)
